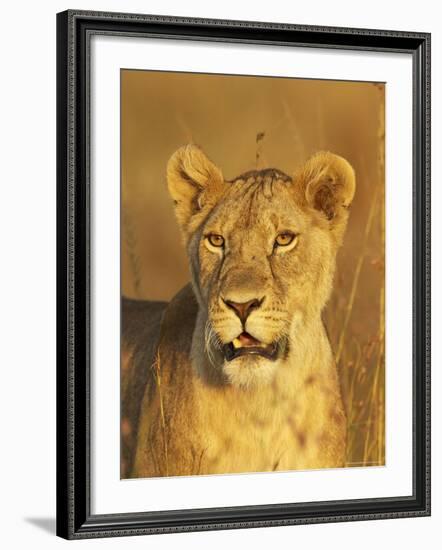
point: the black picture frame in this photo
(74, 518)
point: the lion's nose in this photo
(243, 309)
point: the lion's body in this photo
(186, 427)
(273, 402)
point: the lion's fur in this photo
(199, 413)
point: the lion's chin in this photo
(248, 371)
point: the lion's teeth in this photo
(236, 343)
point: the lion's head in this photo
(262, 251)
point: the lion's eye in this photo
(284, 239)
(215, 240)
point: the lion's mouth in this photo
(246, 344)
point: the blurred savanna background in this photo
(246, 122)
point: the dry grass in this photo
(156, 368)
(130, 243)
(361, 363)
(361, 356)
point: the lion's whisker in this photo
(211, 340)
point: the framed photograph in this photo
(243, 274)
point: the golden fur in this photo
(201, 413)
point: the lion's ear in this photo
(327, 182)
(194, 182)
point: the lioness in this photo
(236, 373)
